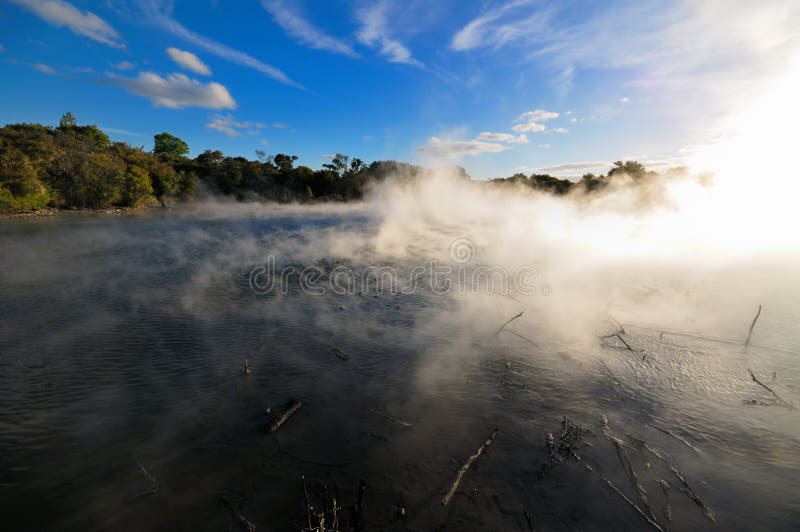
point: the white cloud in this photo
(537, 115)
(59, 13)
(560, 130)
(124, 65)
(530, 127)
(531, 121)
(503, 137)
(44, 69)
(374, 32)
(568, 168)
(624, 99)
(157, 17)
(302, 30)
(189, 61)
(233, 128)
(451, 149)
(177, 91)
(489, 30)
(545, 146)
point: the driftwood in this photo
(509, 321)
(246, 524)
(627, 465)
(630, 503)
(685, 488)
(390, 418)
(291, 408)
(684, 441)
(341, 354)
(518, 335)
(308, 502)
(667, 508)
(463, 471)
(528, 520)
(359, 510)
(752, 326)
(153, 484)
(780, 400)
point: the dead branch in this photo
(341, 354)
(667, 508)
(472, 459)
(685, 488)
(509, 321)
(627, 465)
(153, 484)
(752, 326)
(390, 418)
(528, 520)
(359, 510)
(684, 441)
(632, 504)
(518, 335)
(615, 322)
(308, 502)
(246, 524)
(780, 399)
(291, 408)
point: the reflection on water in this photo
(122, 342)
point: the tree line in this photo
(74, 166)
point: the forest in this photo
(74, 166)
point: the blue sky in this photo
(497, 87)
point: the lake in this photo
(124, 404)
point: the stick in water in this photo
(390, 418)
(509, 321)
(752, 326)
(780, 399)
(291, 408)
(463, 471)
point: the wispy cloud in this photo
(571, 168)
(296, 26)
(453, 149)
(123, 132)
(60, 14)
(176, 91)
(499, 26)
(375, 33)
(159, 18)
(189, 61)
(503, 137)
(124, 65)
(44, 69)
(531, 121)
(233, 128)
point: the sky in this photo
(498, 87)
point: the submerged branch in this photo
(509, 321)
(472, 459)
(752, 326)
(291, 408)
(780, 399)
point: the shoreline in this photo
(47, 213)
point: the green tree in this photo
(67, 121)
(101, 180)
(169, 145)
(137, 188)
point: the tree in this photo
(67, 121)
(137, 187)
(169, 145)
(284, 162)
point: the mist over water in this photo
(124, 339)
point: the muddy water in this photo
(122, 343)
